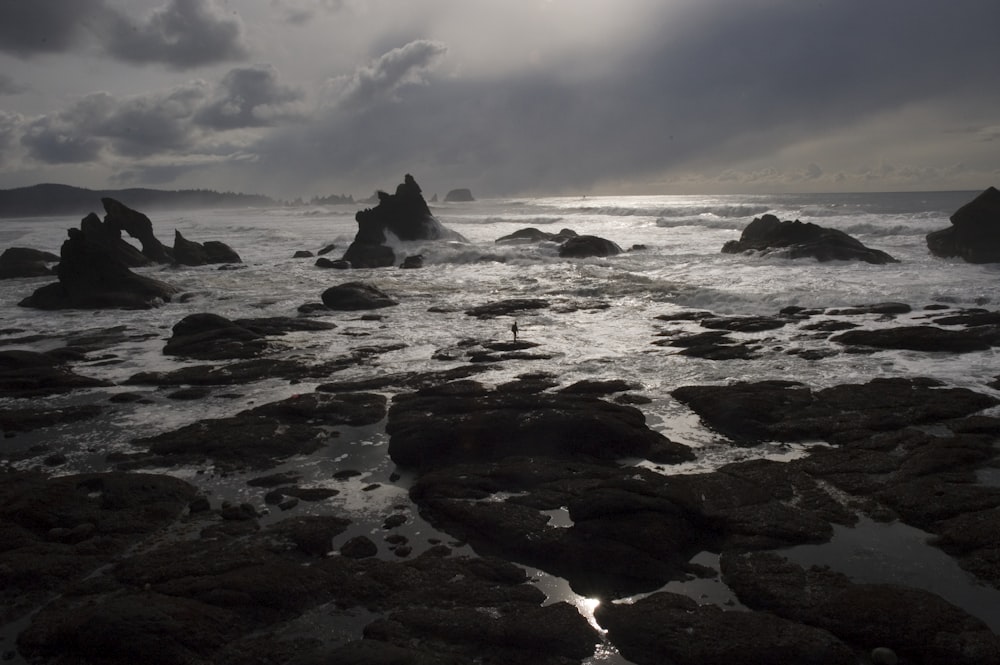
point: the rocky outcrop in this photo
(581, 247)
(352, 296)
(190, 253)
(463, 422)
(919, 626)
(531, 234)
(18, 262)
(122, 218)
(212, 337)
(404, 215)
(794, 240)
(460, 195)
(749, 413)
(974, 234)
(93, 275)
(32, 374)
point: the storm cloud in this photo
(180, 34)
(550, 97)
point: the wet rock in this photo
(885, 308)
(580, 247)
(670, 628)
(241, 373)
(436, 425)
(32, 374)
(769, 235)
(260, 437)
(532, 234)
(597, 387)
(303, 254)
(413, 261)
(339, 264)
(359, 547)
(918, 625)
(974, 234)
(92, 275)
(17, 262)
(924, 338)
(742, 323)
(749, 413)
(206, 336)
(190, 253)
(506, 307)
(352, 296)
(491, 351)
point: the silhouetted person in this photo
(513, 329)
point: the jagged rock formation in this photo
(122, 218)
(404, 215)
(190, 253)
(94, 273)
(974, 234)
(796, 240)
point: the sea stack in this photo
(404, 216)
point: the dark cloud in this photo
(30, 27)
(408, 64)
(137, 126)
(182, 34)
(250, 97)
(150, 124)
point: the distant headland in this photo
(53, 199)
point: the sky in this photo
(302, 98)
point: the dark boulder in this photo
(92, 276)
(404, 215)
(352, 296)
(924, 338)
(212, 337)
(339, 264)
(461, 422)
(795, 240)
(413, 261)
(302, 254)
(108, 237)
(191, 253)
(506, 307)
(581, 247)
(974, 234)
(18, 262)
(460, 195)
(120, 218)
(531, 234)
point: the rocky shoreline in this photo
(568, 479)
(228, 539)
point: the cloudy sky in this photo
(507, 97)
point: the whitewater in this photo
(601, 323)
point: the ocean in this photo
(601, 323)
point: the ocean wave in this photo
(727, 211)
(703, 222)
(872, 229)
(528, 221)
